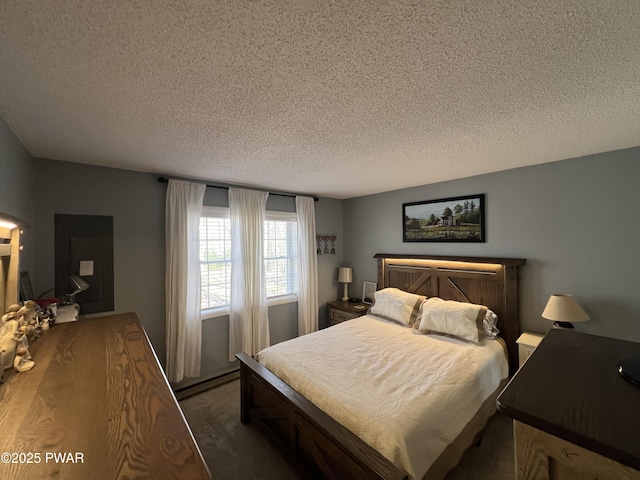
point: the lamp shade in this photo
(345, 275)
(78, 284)
(562, 307)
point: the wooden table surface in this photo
(351, 307)
(570, 388)
(95, 406)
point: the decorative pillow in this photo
(397, 305)
(455, 319)
(489, 324)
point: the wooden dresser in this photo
(95, 406)
(574, 416)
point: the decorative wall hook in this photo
(325, 239)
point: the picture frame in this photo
(454, 219)
(368, 289)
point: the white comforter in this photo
(407, 395)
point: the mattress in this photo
(406, 394)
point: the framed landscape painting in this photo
(456, 219)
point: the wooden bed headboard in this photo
(486, 281)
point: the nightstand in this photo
(340, 311)
(527, 343)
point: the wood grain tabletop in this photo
(95, 406)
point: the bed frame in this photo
(326, 446)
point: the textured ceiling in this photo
(336, 98)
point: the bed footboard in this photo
(312, 435)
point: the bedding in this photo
(490, 324)
(407, 395)
(456, 319)
(397, 305)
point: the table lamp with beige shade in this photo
(564, 311)
(345, 275)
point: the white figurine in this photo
(22, 362)
(10, 339)
(30, 331)
(18, 325)
(28, 313)
(10, 309)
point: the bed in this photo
(328, 442)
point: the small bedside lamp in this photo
(79, 285)
(345, 275)
(563, 309)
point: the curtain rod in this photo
(166, 180)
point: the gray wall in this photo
(17, 188)
(329, 221)
(136, 202)
(574, 221)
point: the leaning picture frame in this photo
(455, 219)
(368, 289)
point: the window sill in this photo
(281, 300)
(224, 311)
(215, 313)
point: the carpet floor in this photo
(233, 450)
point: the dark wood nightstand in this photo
(340, 311)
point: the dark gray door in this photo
(84, 247)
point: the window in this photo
(280, 256)
(215, 257)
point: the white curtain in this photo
(248, 321)
(307, 266)
(182, 283)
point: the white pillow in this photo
(397, 305)
(455, 319)
(490, 324)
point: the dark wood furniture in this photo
(339, 311)
(323, 443)
(486, 281)
(574, 416)
(97, 391)
(78, 238)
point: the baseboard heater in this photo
(208, 384)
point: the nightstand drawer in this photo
(339, 311)
(337, 316)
